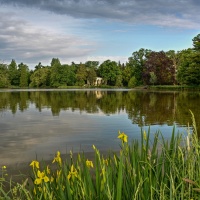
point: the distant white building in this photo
(98, 81)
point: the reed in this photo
(146, 169)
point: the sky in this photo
(33, 31)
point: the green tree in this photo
(127, 72)
(196, 42)
(91, 76)
(153, 78)
(92, 64)
(40, 77)
(81, 75)
(91, 68)
(137, 62)
(189, 69)
(56, 72)
(4, 76)
(175, 57)
(39, 66)
(24, 74)
(132, 82)
(109, 71)
(183, 65)
(68, 76)
(55, 61)
(118, 81)
(13, 73)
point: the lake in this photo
(37, 123)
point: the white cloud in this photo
(26, 42)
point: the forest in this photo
(144, 67)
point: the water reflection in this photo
(41, 122)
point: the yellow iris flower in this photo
(72, 173)
(41, 176)
(34, 164)
(57, 158)
(123, 137)
(48, 170)
(89, 163)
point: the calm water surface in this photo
(40, 122)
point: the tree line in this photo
(144, 67)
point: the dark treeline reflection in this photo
(142, 107)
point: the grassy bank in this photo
(149, 169)
(174, 87)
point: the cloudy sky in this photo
(33, 31)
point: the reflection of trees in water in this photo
(111, 102)
(153, 99)
(142, 107)
(23, 103)
(153, 108)
(185, 102)
(167, 108)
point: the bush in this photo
(132, 82)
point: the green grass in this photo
(174, 87)
(142, 170)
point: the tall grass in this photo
(145, 169)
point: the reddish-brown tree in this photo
(162, 66)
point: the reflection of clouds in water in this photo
(32, 133)
(101, 113)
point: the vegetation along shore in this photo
(144, 67)
(147, 169)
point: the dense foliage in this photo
(158, 69)
(144, 67)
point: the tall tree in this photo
(91, 75)
(24, 74)
(196, 42)
(56, 72)
(161, 66)
(175, 57)
(91, 68)
(68, 76)
(40, 77)
(92, 64)
(55, 61)
(109, 71)
(127, 72)
(38, 66)
(13, 73)
(4, 76)
(189, 68)
(81, 75)
(137, 62)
